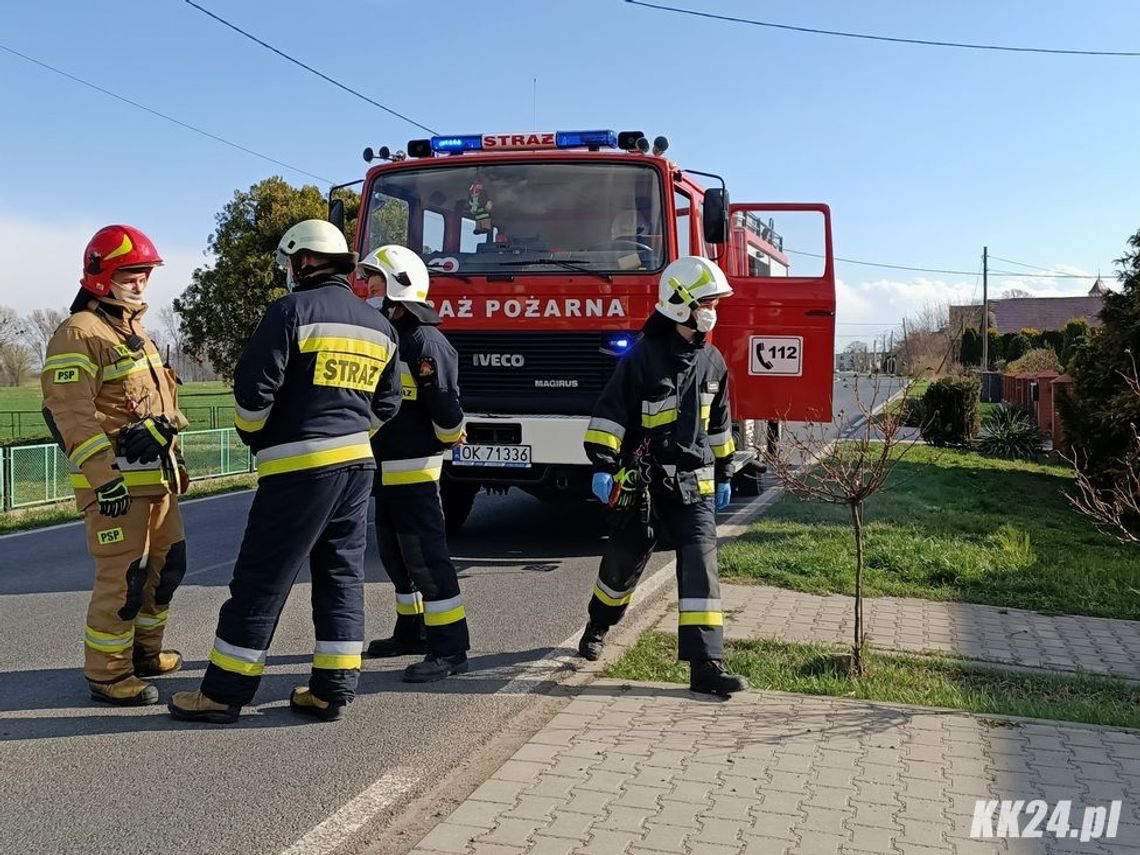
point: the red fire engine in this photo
(545, 251)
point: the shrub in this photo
(1035, 362)
(914, 413)
(1010, 433)
(952, 408)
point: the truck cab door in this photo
(777, 331)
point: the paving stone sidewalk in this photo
(648, 769)
(1007, 636)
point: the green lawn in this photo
(953, 526)
(937, 681)
(206, 405)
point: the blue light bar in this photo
(580, 139)
(467, 142)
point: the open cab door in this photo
(777, 331)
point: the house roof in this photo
(1040, 313)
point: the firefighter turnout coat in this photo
(101, 373)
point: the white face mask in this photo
(375, 302)
(705, 319)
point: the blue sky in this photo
(925, 154)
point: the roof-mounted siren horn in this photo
(660, 145)
(420, 148)
(628, 141)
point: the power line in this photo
(877, 38)
(1007, 273)
(154, 112)
(1020, 263)
(309, 68)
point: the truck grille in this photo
(491, 378)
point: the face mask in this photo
(705, 319)
(124, 295)
(375, 302)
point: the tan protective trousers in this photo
(140, 559)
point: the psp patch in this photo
(110, 535)
(347, 371)
(67, 375)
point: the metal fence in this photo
(39, 474)
(29, 424)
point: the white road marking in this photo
(331, 833)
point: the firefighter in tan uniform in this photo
(112, 407)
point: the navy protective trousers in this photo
(700, 631)
(322, 518)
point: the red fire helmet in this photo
(115, 248)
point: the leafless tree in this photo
(12, 326)
(1116, 510)
(847, 471)
(16, 362)
(932, 338)
(40, 325)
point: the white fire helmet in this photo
(404, 272)
(319, 236)
(687, 281)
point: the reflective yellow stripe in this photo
(342, 344)
(315, 459)
(336, 661)
(145, 478)
(409, 608)
(107, 642)
(612, 601)
(153, 431)
(88, 448)
(112, 372)
(71, 360)
(448, 435)
(724, 450)
(600, 437)
(657, 419)
(236, 666)
(706, 410)
(700, 619)
(409, 389)
(146, 621)
(248, 426)
(444, 618)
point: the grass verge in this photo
(952, 525)
(933, 681)
(65, 512)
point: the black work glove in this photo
(114, 500)
(144, 441)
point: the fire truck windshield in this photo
(494, 218)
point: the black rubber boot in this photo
(435, 668)
(408, 638)
(708, 677)
(592, 641)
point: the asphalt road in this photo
(80, 778)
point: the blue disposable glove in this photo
(602, 485)
(723, 495)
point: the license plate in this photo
(516, 456)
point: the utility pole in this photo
(985, 308)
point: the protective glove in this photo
(113, 498)
(723, 495)
(144, 441)
(603, 486)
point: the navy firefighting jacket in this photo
(430, 419)
(671, 395)
(315, 380)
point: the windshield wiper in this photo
(574, 264)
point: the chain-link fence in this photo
(39, 474)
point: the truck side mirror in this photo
(714, 217)
(336, 213)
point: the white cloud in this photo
(44, 269)
(870, 308)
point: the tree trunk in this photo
(857, 524)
